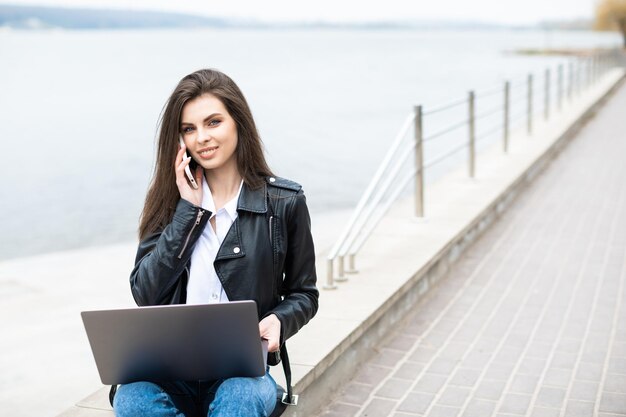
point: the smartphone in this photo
(190, 177)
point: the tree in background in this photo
(611, 14)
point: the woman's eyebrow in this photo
(210, 116)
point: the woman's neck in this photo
(224, 184)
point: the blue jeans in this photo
(225, 398)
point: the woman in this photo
(238, 233)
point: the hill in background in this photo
(39, 17)
(36, 17)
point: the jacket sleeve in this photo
(162, 256)
(300, 295)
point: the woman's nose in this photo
(203, 135)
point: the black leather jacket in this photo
(267, 255)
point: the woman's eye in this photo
(187, 129)
(214, 122)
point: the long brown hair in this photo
(163, 194)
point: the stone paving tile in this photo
(341, 410)
(379, 407)
(423, 354)
(454, 396)
(579, 409)
(490, 389)
(551, 397)
(613, 403)
(615, 383)
(371, 374)
(589, 371)
(416, 402)
(394, 388)
(617, 365)
(408, 370)
(430, 383)
(558, 377)
(545, 412)
(515, 404)
(355, 393)
(443, 411)
(465, 377)
(584, 390)
(479, 408)
(532, 366)
(524, 384)
(540, 329)
(442, 366)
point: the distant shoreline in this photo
(575, 52)
(50, 18)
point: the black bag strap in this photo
(288, 398)
(112, 392)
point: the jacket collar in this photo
(253, 200)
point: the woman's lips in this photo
(207, 153)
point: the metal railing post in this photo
(341, 271)
(472, 134)
(507, 88)
(594, 68)
(577, 89)
(419, 163)
(529, 111)
(570, 84)
(546, 108)
(330, 282)
(559, 102)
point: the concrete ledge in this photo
(405, 257)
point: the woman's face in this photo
(209, 132)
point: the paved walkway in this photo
(532, 319)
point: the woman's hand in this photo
(184, 188)
(269, 328)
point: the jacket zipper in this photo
(271, 230)
(198, 217)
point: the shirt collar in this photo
(209, 204)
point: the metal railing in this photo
(390, 180)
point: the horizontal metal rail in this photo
(443, 107)
(445, 155)
(445, 131)
(490, 112)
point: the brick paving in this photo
(531, 321)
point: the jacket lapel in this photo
(254, 201)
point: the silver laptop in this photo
(176, 342)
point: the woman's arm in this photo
(298, 288)
(162, 256)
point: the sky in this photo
(488, 11)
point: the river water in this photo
(79, 111)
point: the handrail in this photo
(379, 196)
(544, 94)
(370, 188)
(380, 213)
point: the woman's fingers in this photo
(269, 328)
(198, 175)
(182, 182)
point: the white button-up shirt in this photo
(204, 287)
